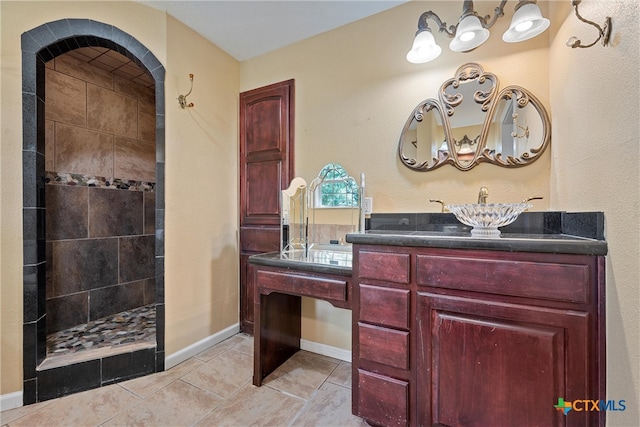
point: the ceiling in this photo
(246, 29)
(113, 62)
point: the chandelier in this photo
(472, 30)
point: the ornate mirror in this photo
(472, 122)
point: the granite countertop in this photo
(553, 243)
(579, 233)
(318, 261)
(551, 232)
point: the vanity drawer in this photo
(384, 306)
(385, 346)
(297, 284)
(390, 267)
(383, 400)
(563, 281)
(260, 239)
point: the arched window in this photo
(334, 188)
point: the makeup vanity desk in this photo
(448, 328)
(279, 282)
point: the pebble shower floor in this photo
(127, 327)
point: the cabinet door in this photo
(266, 151)
(266, 166)
(490, 363)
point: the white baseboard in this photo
(198, 347)
(11, 400)
(326, 350)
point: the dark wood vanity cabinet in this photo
(476, 337)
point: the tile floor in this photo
(212, 388)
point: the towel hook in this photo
(604, 31)
(182, 99)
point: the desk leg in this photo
(276, 332)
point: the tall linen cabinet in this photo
(266, 166)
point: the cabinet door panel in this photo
(383, 400)
(261, 137)
(489, 363)
(262, 192)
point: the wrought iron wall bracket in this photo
(182, 99)
(604, 31)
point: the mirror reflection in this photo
(472, 122)
(319, 215)
(425, 125)
(516, 130)
(334, 206)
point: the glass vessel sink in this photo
(485, 218)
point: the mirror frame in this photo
(488, 101)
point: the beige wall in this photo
(201, 249)
(595, 96)
(201, 264)
(354, 91)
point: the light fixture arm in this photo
(467, 9)
(488, 21)
(442, 26)
(604, 32)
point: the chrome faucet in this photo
(482, 196)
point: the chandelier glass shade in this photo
(424, 48)
(526, 23)
(469, 34)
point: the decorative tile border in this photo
(64, 178)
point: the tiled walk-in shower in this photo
(43, 379)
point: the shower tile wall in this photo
(97, 122)
(100, 241)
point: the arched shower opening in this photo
(93, 176)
